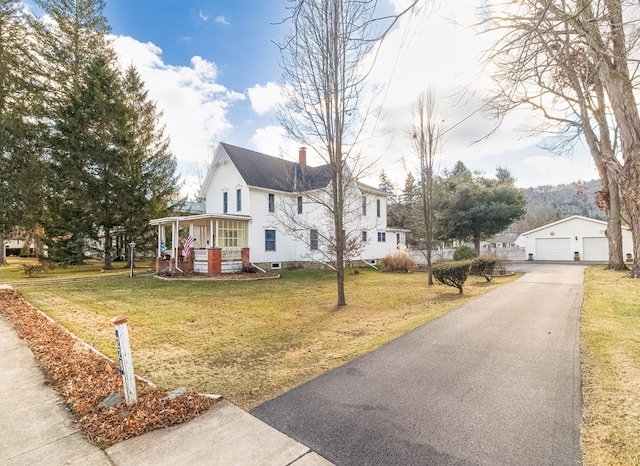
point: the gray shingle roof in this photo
(264, 171)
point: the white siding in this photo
(225, 178)
(586, 237)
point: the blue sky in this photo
(237, 35)
(212, 67)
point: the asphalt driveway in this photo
(495, 382)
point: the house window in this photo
(313, 239)
(269, 240)
(364, 205)
(378, 207)
(232, 234)
(225, 202)
(364, 236)
(299, 204)
(397, 238)
(272, 202)
(238, 200)
(382, 237)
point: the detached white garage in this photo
(571, 237)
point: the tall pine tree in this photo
(150, 173)
(69, 41)
(72, 37)
(90, 157)
(20, 101)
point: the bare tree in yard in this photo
(569, 59)
(426, 131)
(322, 76)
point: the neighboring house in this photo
(269, 211)
(570, 238)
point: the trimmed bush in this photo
(400, 261)
(464, 252)
(484, 266)
(452, 273)
(43, 266)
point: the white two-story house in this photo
(272, 212)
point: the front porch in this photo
(215, 244)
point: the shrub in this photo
(464, 252)
(43, 266)
(400, 261)
(484, 266)
(452, 273)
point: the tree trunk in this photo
(78, 251)
(430, 279)
(476, 242)
(107, 249)
(3, 251)
(614, 225)
(631, 202)
(340, 242)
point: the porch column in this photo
(211, 245)
(244, 254)
(160, 239)
(214, 266)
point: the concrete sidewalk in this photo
(36, 428)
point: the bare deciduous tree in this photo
(567, 59)
(323, 80)
(426, 132)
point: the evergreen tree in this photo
(74, 35)
(393, 201)
(408, 210)
(20, 101)
(90, 161)
(475, 207)
(150, 174)
(69, 41)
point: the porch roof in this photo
(197, 219)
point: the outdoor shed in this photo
(572, 238)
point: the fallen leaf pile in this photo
(85, 378)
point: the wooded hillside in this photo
(566, 199)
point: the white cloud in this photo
(222, 20)
(554, 170)
(203, 17)
(442, 50)
(195, 105)
(270, 140)
(264, 98)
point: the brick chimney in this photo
(302, 156)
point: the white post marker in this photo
(132, 245)
(126, 362)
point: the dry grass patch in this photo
(249, 341)
(611, 369)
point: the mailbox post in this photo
(126, 362)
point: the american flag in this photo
(188, 241)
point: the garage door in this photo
(553, 249)
(596, 249)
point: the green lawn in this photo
(14, 271)
(251, 341)
(248, 341)
(611, 369)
